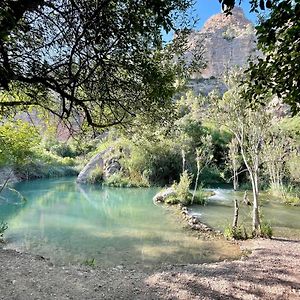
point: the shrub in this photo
(202, 195)
(17, 142)
(236, 233)
(118, 180)
(266, 230)
(291, 195)
(96, 175)
(63, 150)
(159, 162)
(182, 189)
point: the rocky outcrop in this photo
(107, 161)
(7, 175)
(164, 194)
(227, 42)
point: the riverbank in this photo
(271, 271)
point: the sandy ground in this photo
(271, 271)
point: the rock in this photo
(96, 161)
(7, 175)
(111, 167)
(164, 194)
(227, 41)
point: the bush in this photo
(266, 230)
(96, 175)
(118, 180)
(291, 195)
(172, 200)
(159, 162)
(236, 233)
(63, 150)
(17, 142)
(182, 189)
(201, 196)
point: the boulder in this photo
(111, 167)
(164, 194)
(96, 161)
(7, 175)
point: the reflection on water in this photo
(285, 220)
(71, 223)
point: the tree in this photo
(278, 36)
(275, 154)
(249, 127)
(97, 61)
(17, 140)
(203, 157)
(278, 70)
(234, 161)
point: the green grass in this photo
(3, 228)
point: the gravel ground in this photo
(271, 271)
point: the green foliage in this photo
(293, 166)
(63, 149)
(278, 69)
(96, 176)
(182, 189)
(172, 200)
(3, 228)
(158, 160)
(236, 233)
(291, 195)
(120, 180)
(113, 84)
(266, 230)
(201, 196)
(291, 127)
(17, 142)
(90, 262)
(46, 164)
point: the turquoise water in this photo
(218, 212)
(71, 223)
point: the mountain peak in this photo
(227, 41)
(222, 22)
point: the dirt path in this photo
(272, 271)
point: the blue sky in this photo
(204, 9)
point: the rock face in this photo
(107, 161)
(7, 175)
(228, 41)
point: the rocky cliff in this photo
(228, 41)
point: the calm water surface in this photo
(71, 223)
(284, 219)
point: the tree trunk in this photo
(236, 214)
(196, 185)
(235, 180)
(255, 214)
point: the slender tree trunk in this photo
(196, 182)
(235, 180)
(183, 160)
(255, 213)
(236, 214)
